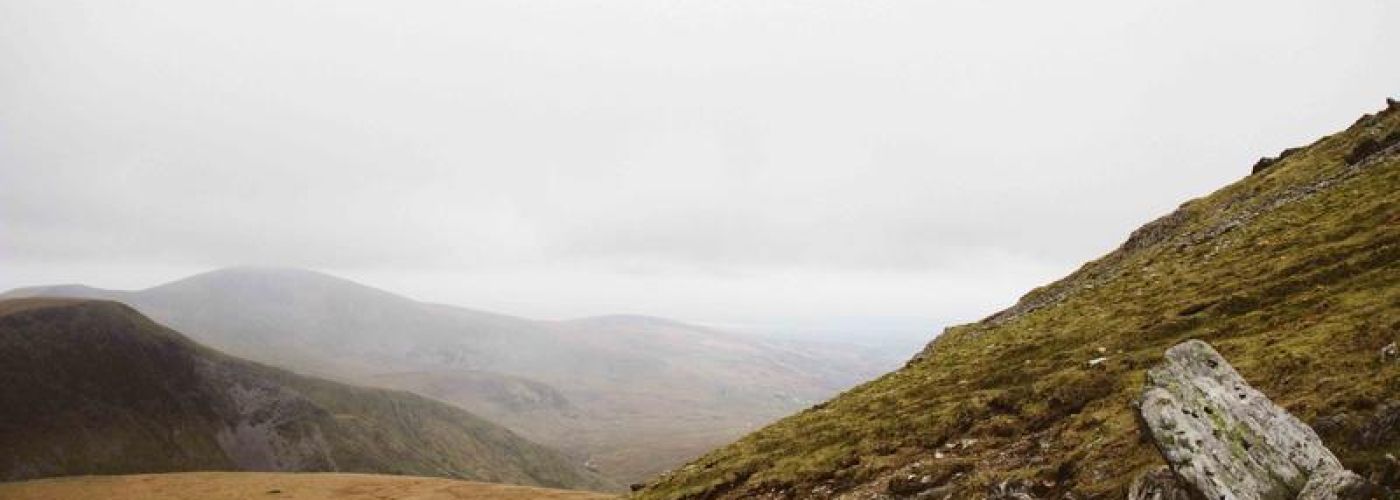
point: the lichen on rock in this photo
(1228, 441)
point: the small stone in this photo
(1010, 490)
(1098, 361)
(1158, 484)
(1390, 352)
(905, 485)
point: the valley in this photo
(630, 396)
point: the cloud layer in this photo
(725, 161)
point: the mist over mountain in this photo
(699, 250)
(631, 395)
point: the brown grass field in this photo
(270, 485)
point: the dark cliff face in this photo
(1293, 273)
(93, 387)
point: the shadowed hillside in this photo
(1292, 273)
(93, 387)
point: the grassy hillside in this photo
(243, 485)
(94, 387)
(1293, 273)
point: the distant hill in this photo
(94, 387)
(1292, 273)
(632, 395)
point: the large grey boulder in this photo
(1228, 441)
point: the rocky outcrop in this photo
(1229, 441)
(265, 426)
(1370, 146)
(1268, 161)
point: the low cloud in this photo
(718, 161)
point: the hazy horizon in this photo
(902, 331)
(779, 166)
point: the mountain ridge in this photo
(632, 394)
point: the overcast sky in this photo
(733, 162)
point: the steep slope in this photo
(1293, 273)
(639, 394)
(93, 387)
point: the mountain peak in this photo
(268, 274)
(280, 283)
